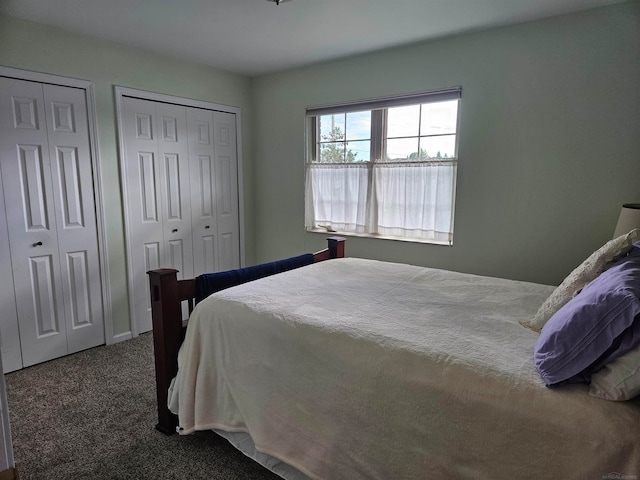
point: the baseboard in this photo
(9, 474)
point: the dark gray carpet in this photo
(92, 415)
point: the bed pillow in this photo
(618, 380)
(627, 341)
(587, 271)
(583, 330)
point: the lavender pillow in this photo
(584, 330)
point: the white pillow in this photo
(618, 380)
(587, 271)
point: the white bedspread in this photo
(359, 369)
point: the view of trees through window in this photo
(345, 137)
(334, 149)
(415, 132)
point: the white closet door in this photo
(180, 169)
(214, 190)
(203, 206)
(70, 154)
(144, 204)
(158, 202)
(28, 192)
(226, 190)
(9, 333)
(174, 161)
(47, 185)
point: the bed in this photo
(359, 369)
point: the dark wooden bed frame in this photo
(167, 295)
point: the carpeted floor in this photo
(92, 415)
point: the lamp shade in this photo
(628, 220)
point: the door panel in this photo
(42, 285)
(32, 179)
(226, 188)
(205, 222)
(70, 187)
(71, 170)
(176, 201)
(79, 287)
(148, 186)
(203, 212)
(144, 207)
(173, 150)
(226, 251)
(215, 216)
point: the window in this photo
(384, 167)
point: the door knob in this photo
(37, 244)
(174, 230)
(206, 226)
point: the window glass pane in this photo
(402, 149)
(332, 152)
(359, 151)
(403, 121)
(439, 147)
(439, 118)
(358, 125)
(332, 127)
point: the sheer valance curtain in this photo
(402, 200)
(412, 199)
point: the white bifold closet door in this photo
(213, 163)
(49, 213)
(157, 197)
(181, 194)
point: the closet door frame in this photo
(120, 93)
(90, 97)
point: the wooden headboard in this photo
(167, 295)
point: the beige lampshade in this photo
(628, 220)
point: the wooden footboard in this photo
(167, 295)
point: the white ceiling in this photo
(254, 37)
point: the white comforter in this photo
(359, 369)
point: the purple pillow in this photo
(586, 330)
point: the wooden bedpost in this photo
(336, 247)
(167, 335)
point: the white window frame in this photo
(379, 108)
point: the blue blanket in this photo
(209, 283)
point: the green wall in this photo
(40, 48)
(549, 144)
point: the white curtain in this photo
(407, 199)
(336, 196)
(415, 200)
